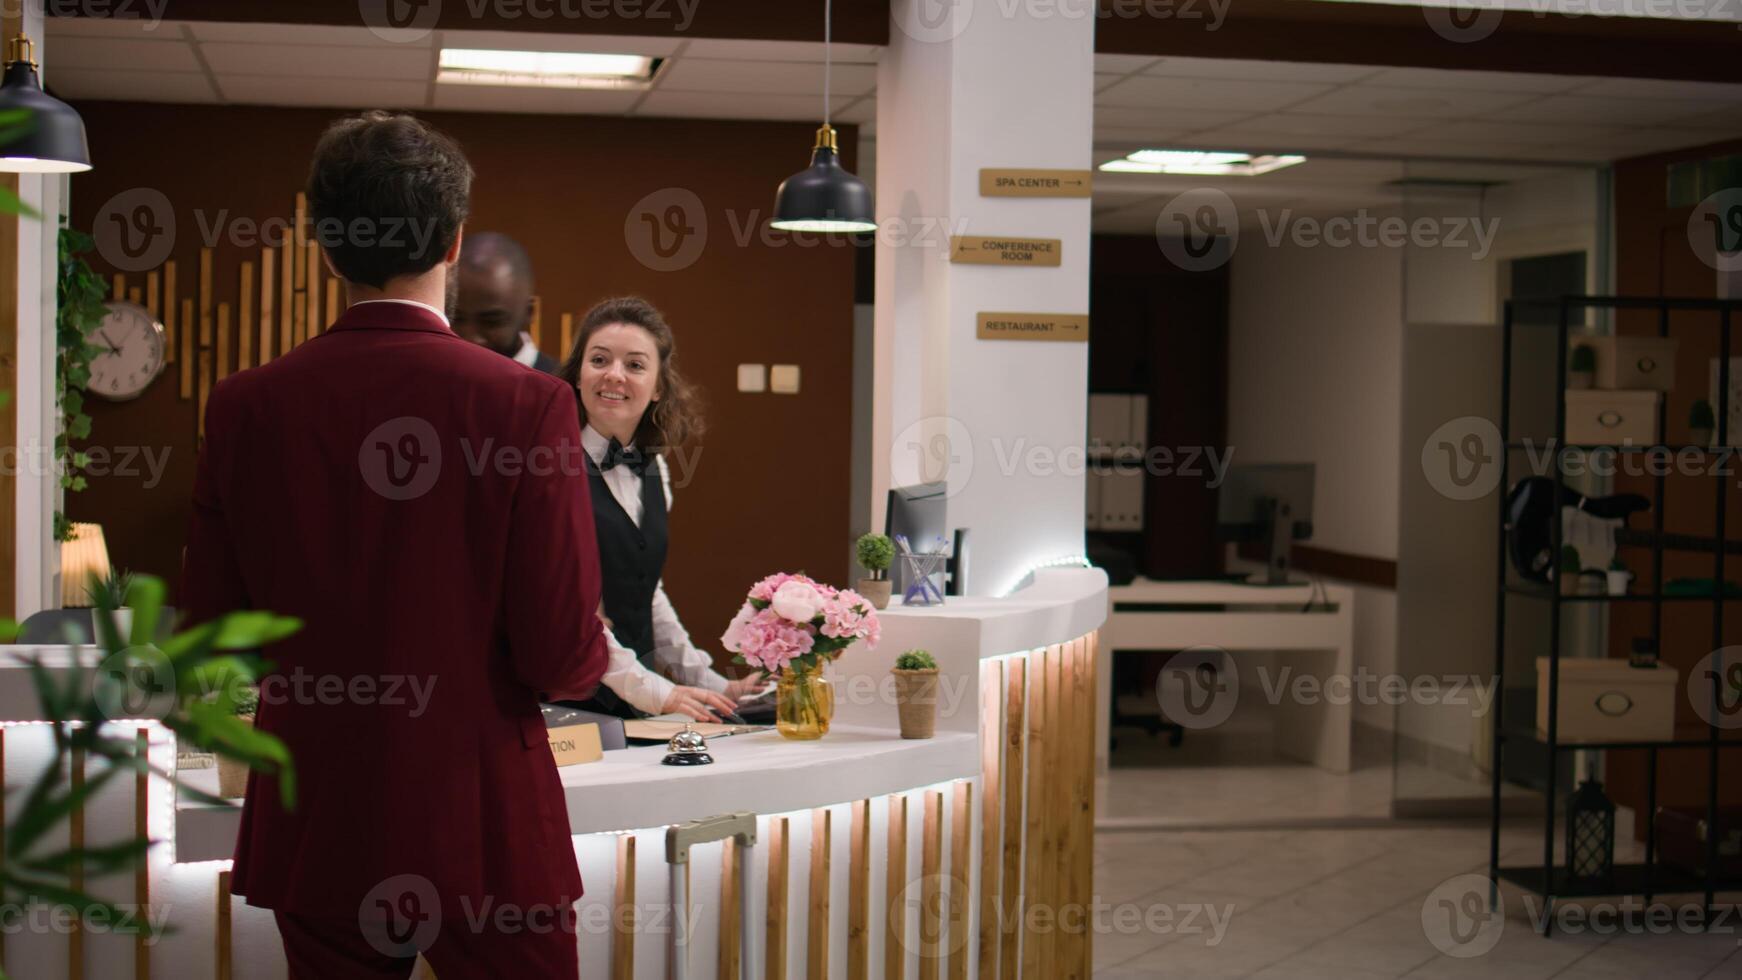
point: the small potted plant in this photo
(1582, 369)
(1702, 423)
(1569, 570)
(875, 553)
(233, 773)
(108, 595)
(916, 693)
(1619, 576)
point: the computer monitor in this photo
(1271, 503)
(920, 514)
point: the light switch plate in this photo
(752, 378)
(783, 379)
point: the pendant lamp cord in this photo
(828, 6)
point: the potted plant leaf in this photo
(875, 553)
(1569, 570)
(108, 595)
(916, 693)
(1619, 576)
(1582, 367)
(1702, 423)
(232, 772)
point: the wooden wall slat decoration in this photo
(286, 303)
(895, 884)
(223, 352)
(859, 893)
(169, 312)
(623, 912)
(1034, 825)
(931, 913)
(205, 297)
(567, 336)
(817, 939)
(332, 304)
(76, 873)
(1071, 708)
(268, 265)
(299, 328)
(245, 320)
(142, 874)
(118, 288)
(135, 296)
(187, 350)
(774, 946)
(1052, 812)
(959, 947)
(312, 292)
(991, 758)
(153, 297)
(1014, 778)
(221, 934)
(731, 880)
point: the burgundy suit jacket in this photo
(421, 504)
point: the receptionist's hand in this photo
(698, 703)
(738, 690)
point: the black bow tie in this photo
(615, 454)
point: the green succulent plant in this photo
(915, 660)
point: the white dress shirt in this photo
(411, 302)
(528, 352)
(672, 649)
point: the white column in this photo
(967, 84)
(37, 556)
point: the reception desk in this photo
(959, 855)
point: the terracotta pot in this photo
(233, 773)
(875, 591)
(916, 702)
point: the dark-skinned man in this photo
(494, 306)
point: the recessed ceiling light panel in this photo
(1200, 163)
(545, 69)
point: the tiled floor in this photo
(1365, 904)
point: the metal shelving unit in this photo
(1646, 879)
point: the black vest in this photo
(631, 561)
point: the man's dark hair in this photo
(387, 194)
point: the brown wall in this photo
(756, 499)
(1654, 257)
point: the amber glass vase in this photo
(804, 703)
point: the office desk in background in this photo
(1147, 615)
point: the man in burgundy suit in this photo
(421, 504)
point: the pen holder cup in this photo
(921, 589)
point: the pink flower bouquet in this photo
(791, 621)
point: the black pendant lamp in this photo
(50, 137)
(824, 196)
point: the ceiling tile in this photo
(1183, 120)
(1469, 149)
(653, 47)
(1122, 64)
(491, 98)
(688, 74)
(106, 53)
(134, 86)
(1385, 100)
(1306, 124)
(1237, 69)
(1480, 81)
(142, 28)
(298, 34)
(1657, 88)
(349, 93)
(384, 61)
(1254, 139)
(703, 47)
(706, 105)
(1156, 92)
(1483, 131)
(1610, 111)
(1729, 118)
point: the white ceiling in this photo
(1362, 126)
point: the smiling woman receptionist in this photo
(634, 406)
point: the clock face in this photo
(129, 352)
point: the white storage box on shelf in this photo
(1609, 701)
(1612, 418)
(1633, 363)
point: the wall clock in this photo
(130, 352)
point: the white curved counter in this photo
(1016, 686)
